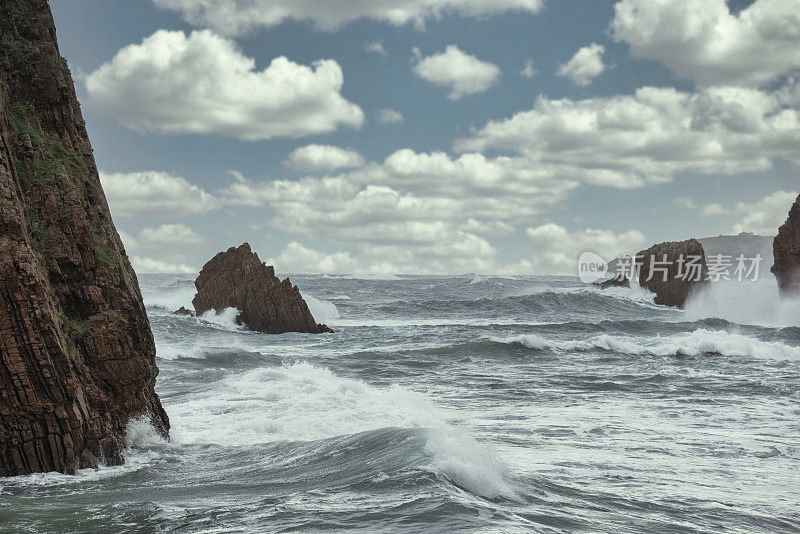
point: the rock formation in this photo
(238, 279)
(786, 248)
(618, 281)
(666, 271)
(77, 358)
(183, 311)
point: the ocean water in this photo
(460, 404)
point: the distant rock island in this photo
(786, 248)
(77, 358)
(237, 278)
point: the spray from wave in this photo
(754, 303)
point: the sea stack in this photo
(665, 270)
(786, 248)
(77, 353)
(237, 278)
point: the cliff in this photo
(236, 278)
(663, 272)
(786, 249)
(77, 358)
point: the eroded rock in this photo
(786, 249)
(673, 271)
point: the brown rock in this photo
(618, 281)
(183, 311)
(677, 281)
(77, 358)
(238, 279)
(786, 248)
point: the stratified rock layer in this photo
(665, 271)
(238, 279)
(77, 358)
(786, 248)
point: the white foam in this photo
(700, 341)
(755, 303)
(226, 319)
(322, 310)
(303, 402)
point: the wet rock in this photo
(183, 311)
(673, 271)
(618, 281)
(236, 278)
(786, 249)
(77, 358)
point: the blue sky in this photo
(636, 122)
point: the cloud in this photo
(154, 194)
(528, 71)
(322, 158)
(704, 41)
(462, 73)
(202, 84)
(765, 216)
(585, 65)
(150, 265)
(649, 137)
(375, 47)
(239, 16)
(296, 258)
(557, 249)
(390, 116)
(169, 235)
(685, 202)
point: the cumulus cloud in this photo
(765, 216)
(703, 40)
(650, 136)
(171, 83)
(238, 16)
(154, 194)
(322, 158)
(389, 116)
(528, 71)
(296, 258)
(169, 235)
(557, 249)
(585, 65)
(376, 47)
(151, 265)
(453, 69)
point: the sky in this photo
(383, 137)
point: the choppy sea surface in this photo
(458, 404)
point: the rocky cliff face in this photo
(77, 358)
(663, 273)
(238, 279)
(786, 248)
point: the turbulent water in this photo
(475, 404)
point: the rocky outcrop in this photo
(238, 279)
(618, 281)
(786, 249)
(183, 311)
(673, 271)
(77, 358)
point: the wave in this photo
(301, 402)
(224, 320)
(698, 342)
(323, 311)
(745, 303)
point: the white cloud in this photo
(296, 258)
(650, 136)
(202, 84)
(528, 71)
(171, 235)
(556, 250)
(765, 216)
(323, 158)
(390, 116)
(704, 41)
(585, 65)
(712, 210)
(376, 47)
(151, 265)
(238, 16)
(685, 202)
(453, 69)
(154, 194)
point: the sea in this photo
(461, 404)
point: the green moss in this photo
(19, 114)
(106, 255)
(40, 240)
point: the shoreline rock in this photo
(786, 250)
(77, 357)
(237, 278)
(672, 291)
(619, 280)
